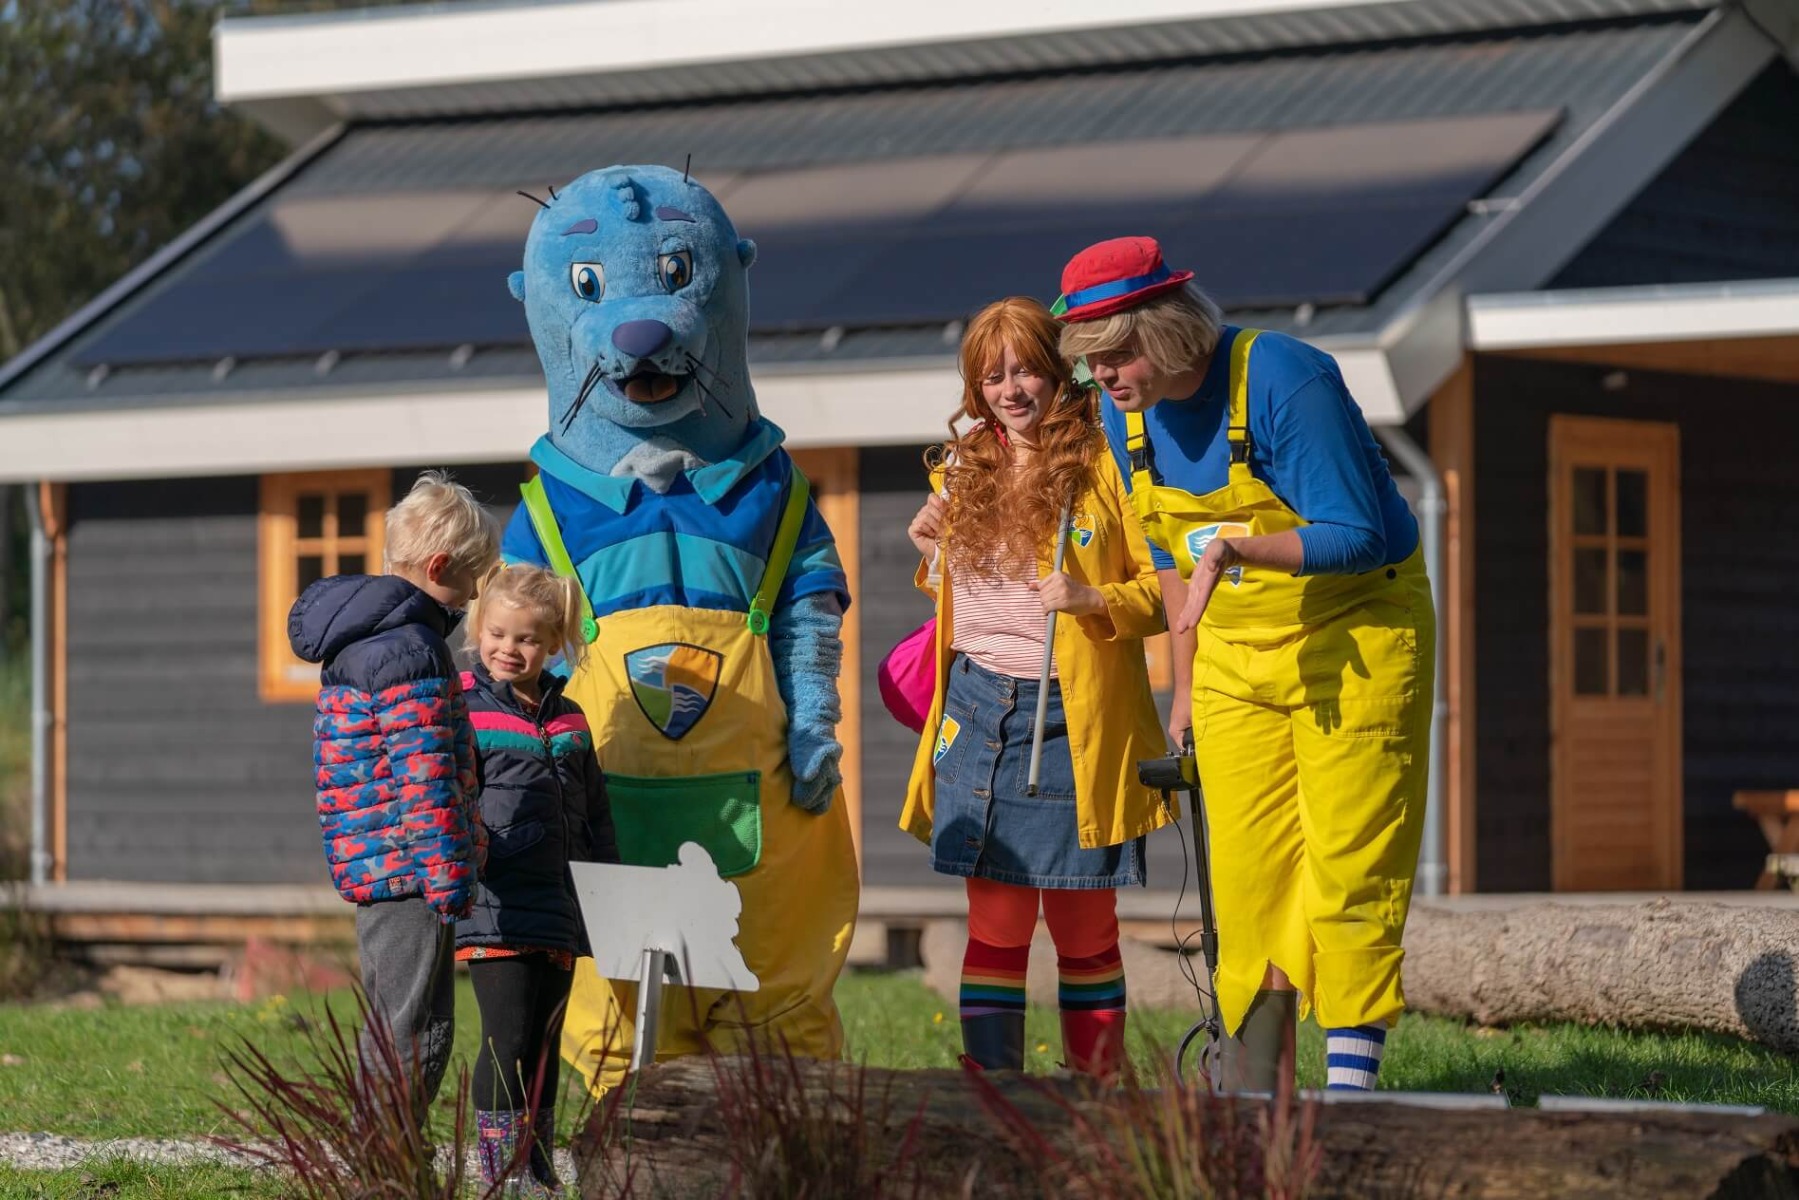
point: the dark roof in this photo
(1532, 92)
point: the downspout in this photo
(1433, 859)
(40, 687)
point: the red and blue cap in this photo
(1112, 276)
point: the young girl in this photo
(1035, 452)
(544, 804)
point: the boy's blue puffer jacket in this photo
(393, 749)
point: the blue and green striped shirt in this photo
(703, 544)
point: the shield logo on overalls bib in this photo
(1199, 539)
(673, 684)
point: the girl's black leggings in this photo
(522, 1002)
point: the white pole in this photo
(42, 858)
(1433, 860)
(1049, 658)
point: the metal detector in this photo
(1180, 773)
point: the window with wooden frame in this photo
(311, 526)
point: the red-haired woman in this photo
(1034, 452)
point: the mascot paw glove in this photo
(815, 769)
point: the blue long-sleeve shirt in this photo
(1308, 442)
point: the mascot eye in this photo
(675, 270)
(589, 280)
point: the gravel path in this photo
(55, 1152)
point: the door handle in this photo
(1661, 670)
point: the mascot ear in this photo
(746, 252)
(515, 283)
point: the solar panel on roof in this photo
(1322, 216)
(1326, 217)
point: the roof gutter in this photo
(255, 434)
(1625, 315)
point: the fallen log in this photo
(680, 1135)
(1661, 965)
(1665, 964)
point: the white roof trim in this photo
(261, 58)
(892, 406)
(1615, 316)
(906, 407)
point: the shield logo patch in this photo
(1199, 539)
(673, 684)
(946, 737)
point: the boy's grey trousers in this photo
(409, 972)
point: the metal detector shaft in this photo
(1211, 1024)
(1202, 870)
(1049, 658)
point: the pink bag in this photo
(909, 677)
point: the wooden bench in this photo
(1778, 815)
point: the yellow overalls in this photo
(1311, 721)
(692, 736)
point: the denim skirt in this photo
(984, 825)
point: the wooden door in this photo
(1614, 546)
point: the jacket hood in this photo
(340, 611)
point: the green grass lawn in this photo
(122, 1179)
(156, 1071)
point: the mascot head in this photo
(636, 289)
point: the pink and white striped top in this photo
(1000, 623)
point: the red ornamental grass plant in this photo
(341, 1129)
(804, 1129)
(1168, 1140)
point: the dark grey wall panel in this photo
(887, 608)
(1739, 626)
(177, 770)
(1726, 208)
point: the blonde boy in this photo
(394, 754)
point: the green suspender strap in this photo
(780, 556)
(537, 505)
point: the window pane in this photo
(312, 569)
(1589, 579)
(1591, 671)
(1633, 504)
(1589, 500)
(312, 516)
(352, 512)
(350, 564)
(1633, 583)
(1633, 662)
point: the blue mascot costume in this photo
(714, 596)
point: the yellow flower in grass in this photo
(937, 1018)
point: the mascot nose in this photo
(640, 339)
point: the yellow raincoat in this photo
(1112, 720)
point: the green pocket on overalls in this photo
(723, 813)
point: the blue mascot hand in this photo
(807, 647)
(816, 769)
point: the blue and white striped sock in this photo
(1352, 1057)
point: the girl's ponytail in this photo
(574, 645)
